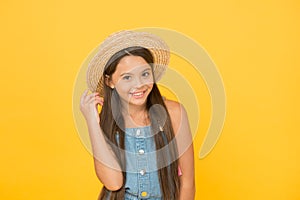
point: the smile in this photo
(138, 94)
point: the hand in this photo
(88, 106)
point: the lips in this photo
(138, 94)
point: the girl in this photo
(141, 142)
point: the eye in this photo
(126, 77)
(146, 74)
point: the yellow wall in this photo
(255, 45)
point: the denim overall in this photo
(142, 180)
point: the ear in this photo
(108, 82)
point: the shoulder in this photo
(177, 113)
(173, 107)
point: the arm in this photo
(185, 149)
(106, 166)
(187, 179)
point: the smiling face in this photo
(133, 80)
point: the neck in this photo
(135, 115)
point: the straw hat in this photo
(119, 41)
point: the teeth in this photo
(138, 94)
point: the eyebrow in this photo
(128, 73)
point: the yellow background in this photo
(255, 45)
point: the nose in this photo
(139, 82)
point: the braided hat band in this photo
(122, 40)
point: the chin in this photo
(138, 103)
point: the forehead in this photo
(131, 64)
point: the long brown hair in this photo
(112, 123)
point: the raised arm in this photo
(106, 166)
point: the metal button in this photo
(141, 151)
(143, 194)
(142, 172)
(138, 132)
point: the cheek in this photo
(123, 88)
(150, 86)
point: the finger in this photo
(101, 101)
(98, 99)
(101, 98)
(95, 99)
(90, 96)
(94, 94)
(96, 103)
(83, 96)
